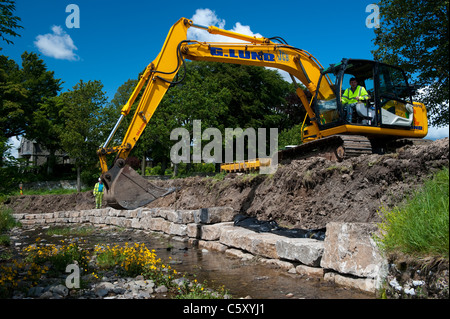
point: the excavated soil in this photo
(305, 194)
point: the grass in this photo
(68, 231)
(419, 227)
(6, 222)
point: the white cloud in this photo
(207, 17)
(437, 133)
(58, 45)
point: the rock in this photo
(363, 284)
(279, 264)
(179, 281)
(101, 292)
(309, 271)
(394, 284)
(212, 232)
(105, 285)
(35, 291)
(119, 290)
(60, 290)
(410, 291)
(349, 248)
(46, 295)
(193, 230)
(239, 254)
(143, 295)
(161, 289)
(305, 250)
(261, 244)
(103, 288)
(214, 215)
(212, 245)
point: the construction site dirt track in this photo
(306, 193)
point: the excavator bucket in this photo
(126, 189)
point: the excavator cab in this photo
(389, 104)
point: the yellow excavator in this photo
(387, 116)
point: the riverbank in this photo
(217, 272)
(347, 257)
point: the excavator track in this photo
(334, 148)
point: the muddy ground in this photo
(305, 194)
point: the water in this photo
(242, 279)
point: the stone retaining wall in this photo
(348, 256)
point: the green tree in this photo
(83, 108)
(414, 35)
(221, 95)
(115, 106)
(8, 22)
(22, 90)
(12, 99)
(45, 127)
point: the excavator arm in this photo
(125, 189)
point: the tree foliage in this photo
(22, 91)
(8, 22)
(414, 35)
(82, 134)
(221, 96)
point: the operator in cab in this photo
(354, 94)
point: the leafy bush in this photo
(6, 219)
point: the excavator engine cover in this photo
(126, 189)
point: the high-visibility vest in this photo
(98, 189)
(350, 96)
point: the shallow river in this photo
(242, 279)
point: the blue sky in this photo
(118, 39)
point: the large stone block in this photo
(309, 271)
(255, 243)
(363, 284)
(18, 216)
(177, 229)
(214, 215)
(177, 216)
(166, 213)
(349, 248)
(158, 224)
(236, 237)
(194, 230)
(264, 244)
(136, 223)
(212, 245)
(212, 232)
(186, 216)
(305, 250)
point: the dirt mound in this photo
(310, 193)
(37, 204)
(306, 194)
